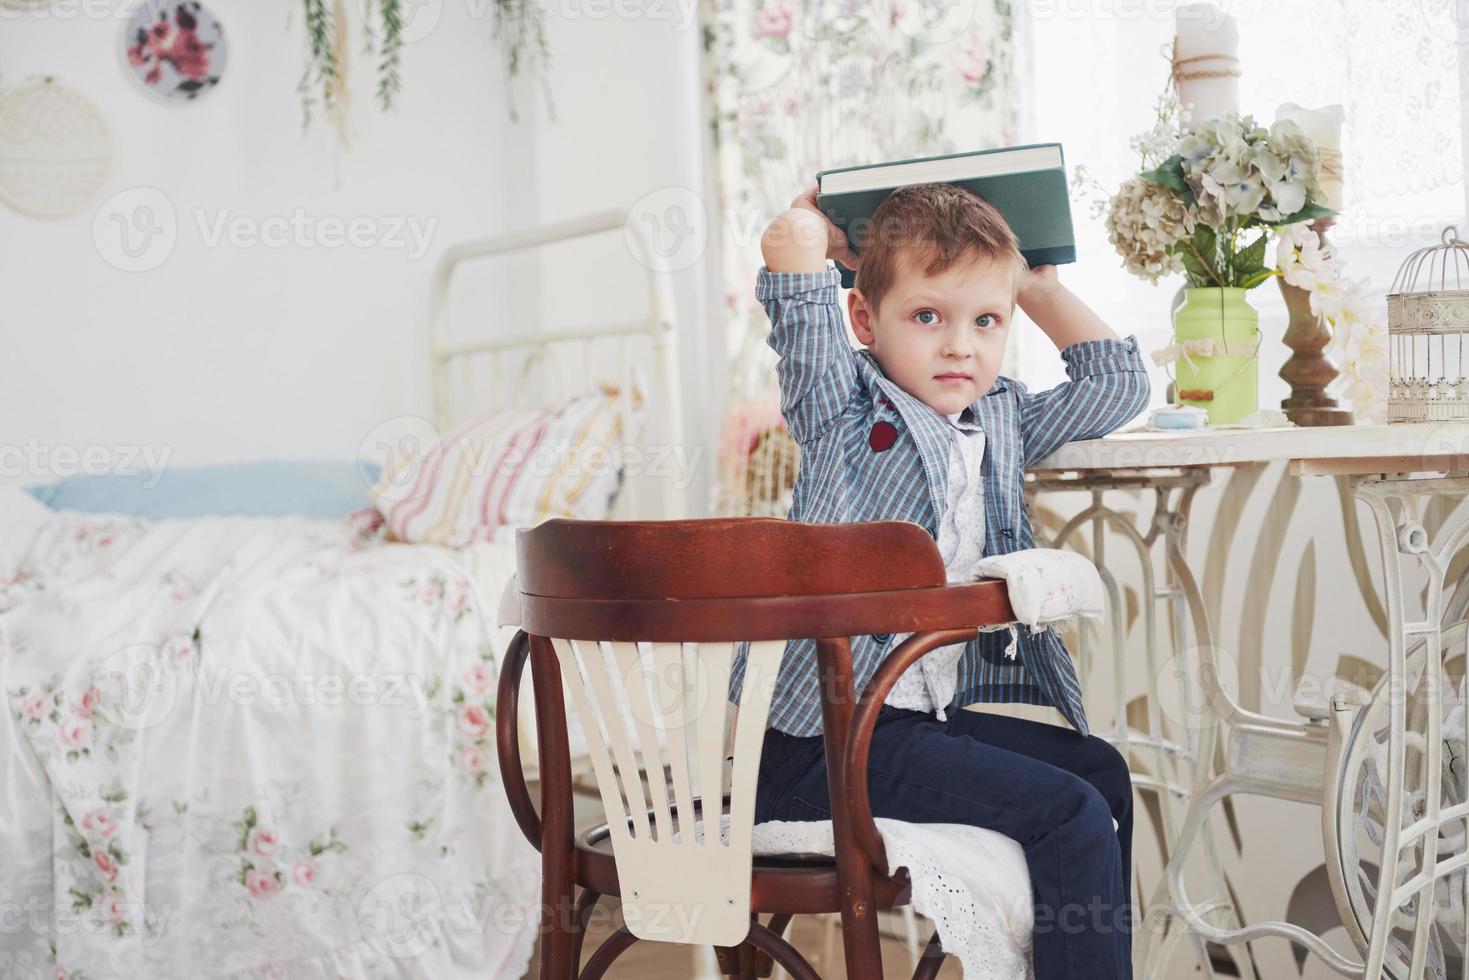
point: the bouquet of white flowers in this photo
(1206, 202)
(1210, 196)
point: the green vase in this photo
(1226, 387)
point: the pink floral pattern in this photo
(19, 587)
(474, 718)
(176, 49)
(102, 895)
(47, 712)
(264, 827)
(265, 869)
(915, 77)
(447, 596)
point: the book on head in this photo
(1026, 183)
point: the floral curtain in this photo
(797, 87)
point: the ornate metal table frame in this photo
(1261, 754)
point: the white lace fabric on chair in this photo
(1047, 585)
(971, 882)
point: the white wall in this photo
(225, 352)
(629, 133)
(229, 353)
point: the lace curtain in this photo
(1395, 66)
(797, 87)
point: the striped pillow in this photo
(514, 468)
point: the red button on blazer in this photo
(882, 436)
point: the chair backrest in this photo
(644, 619)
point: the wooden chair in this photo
(612, 609)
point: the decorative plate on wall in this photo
(55, 149)
(174, 48)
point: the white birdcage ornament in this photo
(1427, 319)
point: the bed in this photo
(260, 746)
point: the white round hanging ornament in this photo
(55, 149)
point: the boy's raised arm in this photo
(802, 238)
(1108, 383)
(798, 290)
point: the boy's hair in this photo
(935, 225)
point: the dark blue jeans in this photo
(1047, 787)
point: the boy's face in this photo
(940, 338)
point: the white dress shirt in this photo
(929, 684)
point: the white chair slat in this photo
(573, 663)
(680, 891)
(671, 680)
(633, 672)
(714, 660)
(749, 736)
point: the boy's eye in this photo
(926, 323)
(985, 320)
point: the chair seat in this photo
(797, 884)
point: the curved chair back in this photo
(642, 622)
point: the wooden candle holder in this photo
(1308, 370)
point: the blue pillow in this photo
(272, 488)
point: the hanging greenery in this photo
(390, 29)
(520, 27)
(322, 69)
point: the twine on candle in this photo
(1186, 76)
(1330, 162)
(1176, 74)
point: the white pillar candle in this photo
(1206, 61)
(1323, 126)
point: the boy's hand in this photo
(1035, 283)
(1061, 315)
(802, 238)
(837, 246)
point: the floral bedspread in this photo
(245, 747)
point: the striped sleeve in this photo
(817, 368)
(1108, 387)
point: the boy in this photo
(918, 426)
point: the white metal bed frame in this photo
(645, 495)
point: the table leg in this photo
(1167, 767)
(1406, 906)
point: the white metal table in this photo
(1335, 756)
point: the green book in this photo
(1026, 183)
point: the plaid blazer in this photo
(832, 395)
